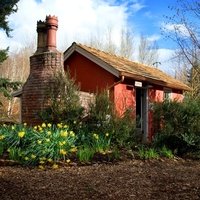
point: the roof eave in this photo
(156, 82)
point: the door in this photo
(142, 112)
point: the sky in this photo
(79, 20)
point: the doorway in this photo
(142, 112)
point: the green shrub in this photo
(124, 131)
(64, 103)
(102, 119)
(147, 153)
(100, 113)
(165, 152)
(85, 154)
(177, 125)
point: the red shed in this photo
(132, 85)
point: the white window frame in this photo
(167, 95)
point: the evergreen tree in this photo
(7, 7)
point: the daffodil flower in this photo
(21, 134)
(43, 125)
(54, 166)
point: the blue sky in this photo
(149, 19)
(79, 20)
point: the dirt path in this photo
(133, 179)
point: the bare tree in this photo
(106, 43)
(183, 28)
(148, 51)
(16, 68)
(126, 44)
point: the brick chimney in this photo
(43, 65)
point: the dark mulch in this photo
(131, 179)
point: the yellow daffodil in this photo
(107, 134)
(43, 158)
(72, 134)
(54, 166)
(41, 167)
(35, 127)
(48, 132)
(64, 133)
(21, 134)
(65, 126)
(95, 136)
(74, 149)
(50, 160)
(63, 152)
(33, 156)
(49, 125)
(44, 125)
(26, 158)
(39, 141)
(59, 125)
(42, 162)
(60, 144)
(2, 137)
(47, 140)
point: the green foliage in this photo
(7, 8)
(64, 103)
(85, 154)
(124, 130)
(100, 114)
(101, 143)
(103, 119)
(165, 152)
(38, 145)
(3, 55)
(147, 153)
(178, 125)
(7, 87)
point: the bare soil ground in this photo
(130, 179)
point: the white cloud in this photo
(179, 28)
(78, 20)
(153, 38)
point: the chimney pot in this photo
(42, 36)
(52, 26)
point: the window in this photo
(167, 94)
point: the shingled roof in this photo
(120, 66)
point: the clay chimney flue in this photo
(52, 26)
(42, 36)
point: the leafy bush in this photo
(124, 131)
(64, 103)
(100, 114)
(178, 125)
(102, 119)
